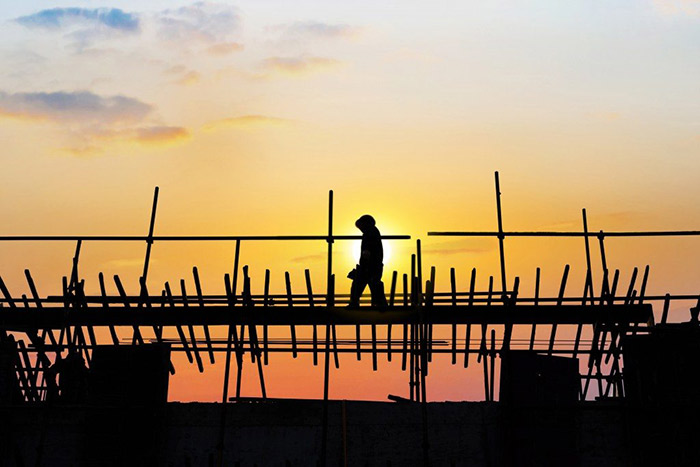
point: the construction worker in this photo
(370, 268)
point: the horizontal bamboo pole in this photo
(59, 317)
(175, 238)
(653, 233)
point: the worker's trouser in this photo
(371, 276)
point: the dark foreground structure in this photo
(539, 421)
(601, 379)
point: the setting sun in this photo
(356, 251)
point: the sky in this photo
(246, 113)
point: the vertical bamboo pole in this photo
(149, 240)
(536, 302)
(501, 237)
(137, 338)
(103, 292)
(560, 297)
(310, 295)
(190, 328)
(588, 253)
(493, 364)
(180, 332)
(290, 304)
(392, 298)
(468, 334)
(483, 348)
(453, 287)
(266, 299)
(200, 299)
(405, 326)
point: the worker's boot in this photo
(355, 293)
(378, 297)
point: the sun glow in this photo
(357, 251)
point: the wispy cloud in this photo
(80, 106)
(92, 141)
(160, 134)
(246, 121)
(189, 78)
(678, 7)
(55, 18)
(296, 66)
(201, 21)
(89, 120)
(225, 48)
(309, 29)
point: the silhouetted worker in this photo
(369, 271)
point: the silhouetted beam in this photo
(59, 317)
(176, 238)
(656, 233)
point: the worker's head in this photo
(365, 222)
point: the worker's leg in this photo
(376, 286)
(358, 286)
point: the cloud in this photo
(80, 106)
(678, 7)
(190, 78)
(202, 21)
(206, 22)
(91, 121)
(160, 134)
(56, 18)
(246, 121)
(296, 66)
(316, 29)
(225, 48)
(92, 141)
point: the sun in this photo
(357, 251)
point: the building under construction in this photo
(84, 379)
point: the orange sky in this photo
(245, 114)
